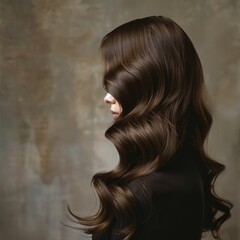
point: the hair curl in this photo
(153, 70)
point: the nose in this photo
(109, 99)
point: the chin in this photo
(115, 116)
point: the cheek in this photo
(119, 107)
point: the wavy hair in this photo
(154, 72)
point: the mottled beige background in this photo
(52, 116)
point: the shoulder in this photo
(165, 185)
(144, 189)
(156, 182)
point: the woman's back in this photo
(169, 204)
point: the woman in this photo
(163, 185)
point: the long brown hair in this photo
(153, 70)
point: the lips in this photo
(113, 112)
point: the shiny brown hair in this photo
(153, 70)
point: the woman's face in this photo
(115, 107)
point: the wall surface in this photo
(52, 115)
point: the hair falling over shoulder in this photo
(153, 70)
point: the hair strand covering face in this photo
(153, 70)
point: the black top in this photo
(175, 209)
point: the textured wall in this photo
(52, 116)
